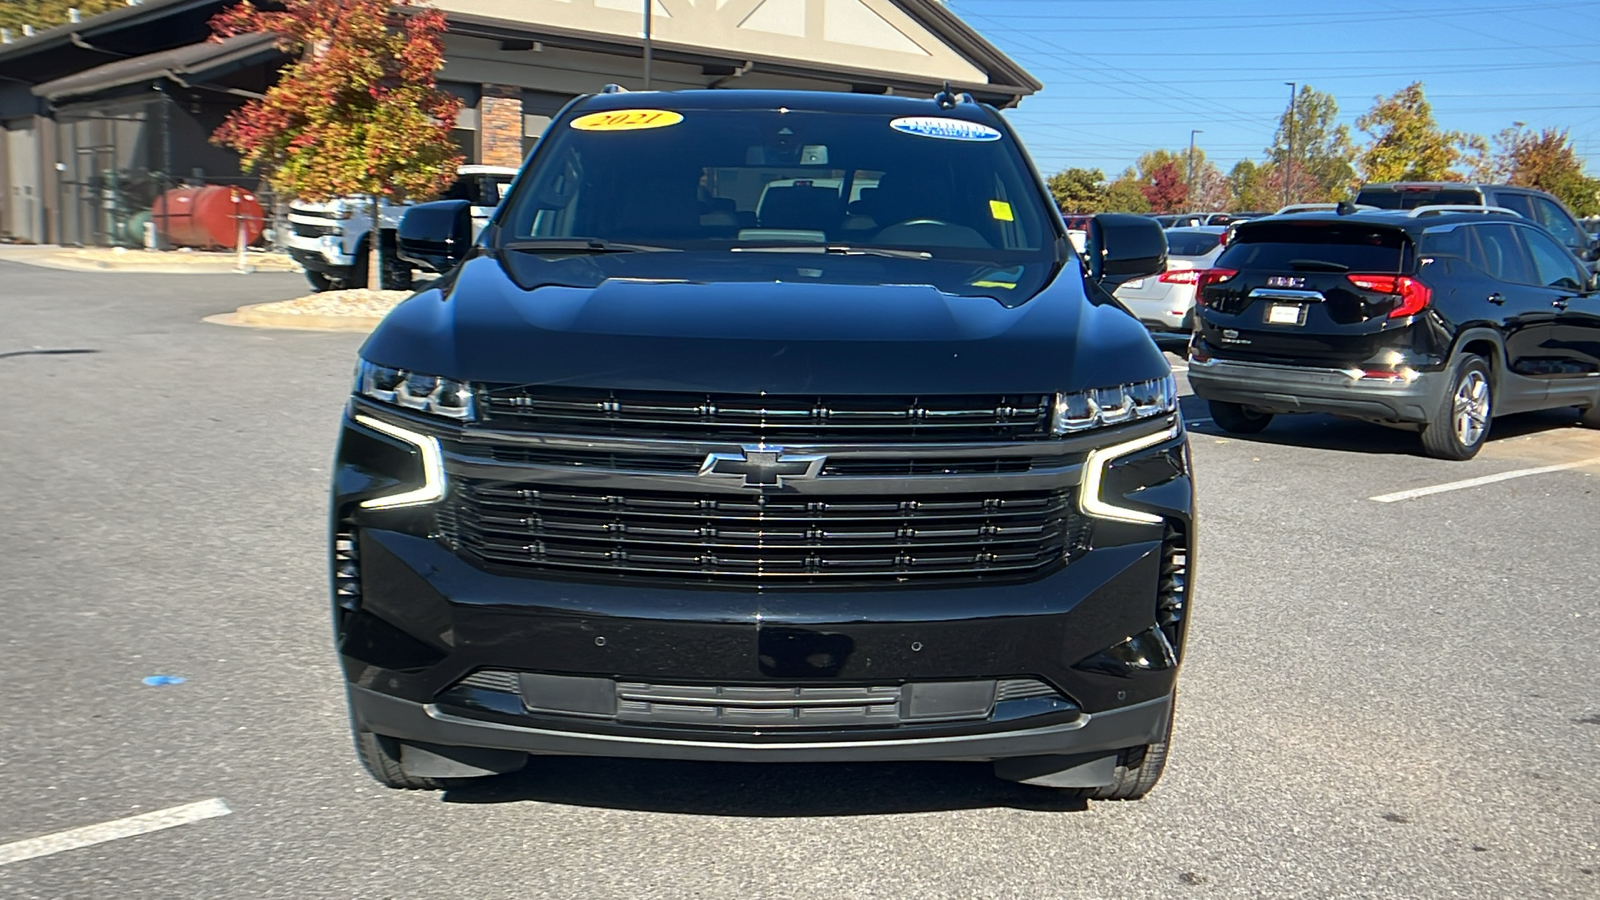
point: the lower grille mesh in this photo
(755, 538)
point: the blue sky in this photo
(1124, 76)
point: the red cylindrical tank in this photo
(207, 216)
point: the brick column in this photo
(500, 125)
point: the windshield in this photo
(953, 202)
(1282, 246)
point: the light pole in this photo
(1288, 158)
(1188, 195)
(647, 54)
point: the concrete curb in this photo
(254, 316)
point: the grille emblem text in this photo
(762, 467)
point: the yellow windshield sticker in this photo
(627, 120)
(1001, 211)
(995, 284)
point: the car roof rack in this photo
(1438, 209)
(1293, 208)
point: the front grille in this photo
(762, 538)
(308, 230)
(755, 418)
(678, 463)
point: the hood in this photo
(749, 337)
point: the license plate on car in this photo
(1135, 283)
(1285, 314)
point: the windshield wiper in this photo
(576, 245)
(837, 249)
(1316, 265)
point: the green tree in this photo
(1078, 190)
(42, 14)
(1323, 161)
(1126, 194)
(357, 113)
(1408, 145)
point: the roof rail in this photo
(1293, 208)
(1438, 209)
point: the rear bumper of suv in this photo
(1303, 389)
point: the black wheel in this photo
(1461, 423)
(1590, 416)
(319, 282)
(1236, 418)
(1138, 770)
(396, 272)
(381, 756)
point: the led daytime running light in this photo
(1094, 473)
(433, 485)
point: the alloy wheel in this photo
(1470, 411)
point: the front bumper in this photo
(423, 618)
(317, 254)
(1131, 726)
(1303, 389)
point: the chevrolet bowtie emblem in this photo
(762, 467)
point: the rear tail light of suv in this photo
(1209, 277)
(1413, 294)
(1180, 276)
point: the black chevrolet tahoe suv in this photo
(766, 427)
(1434, 319)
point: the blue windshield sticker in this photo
(945, 129)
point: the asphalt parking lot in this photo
(1380, 699)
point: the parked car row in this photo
(1433, 319)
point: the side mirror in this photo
(1123, 247)
(437, 235)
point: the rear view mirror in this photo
(1124, 247)
(437, 235)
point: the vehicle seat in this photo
(801, 208)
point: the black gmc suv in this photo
(766, 427)
(1434, 319)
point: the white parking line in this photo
(90, 835)
(1475, 482)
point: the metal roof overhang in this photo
(194, 62)
(1009, 82)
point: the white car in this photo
(329, 240)
(1165, 303)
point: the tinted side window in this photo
(1560, 224)
(1554, 263)
(1503, 257)
(1521, 204)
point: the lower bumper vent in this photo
(759, 706)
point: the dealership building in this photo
(101, 116)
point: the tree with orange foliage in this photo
(357, 112)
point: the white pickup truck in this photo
(329, 239)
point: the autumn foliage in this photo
(357, 112)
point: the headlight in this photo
(414, 390)
(1084, 410)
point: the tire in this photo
(319, 282)
(381, 757)
(1590, 417)
(395, 273)
(1236, 418)
(1460, 425)
(1138, 770)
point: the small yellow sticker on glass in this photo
(1001, 211)
(627, 120)
(1010, 286)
